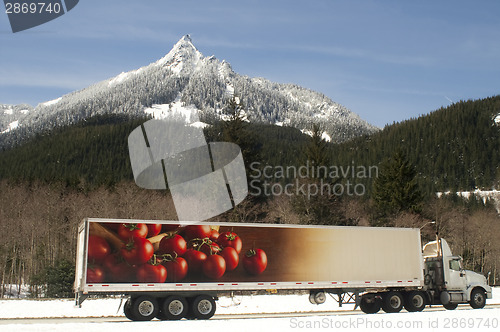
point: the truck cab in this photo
(448, 283)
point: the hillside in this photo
(95, 152)
(453, 148)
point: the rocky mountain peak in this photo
(183, 58)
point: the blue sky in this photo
(385, 60)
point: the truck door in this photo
(454, 274)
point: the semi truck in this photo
(172, 270)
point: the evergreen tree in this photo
(236, 130)
(315, 152)
(319, 205)
(60, 279)
(396, 189)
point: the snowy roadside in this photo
(111, 307)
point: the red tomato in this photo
(214, 266)
(214, 235)
(195, 260)
(231, 257)
(137, 251)
(153, 229)
(117, 270)
(196, 232)
(209, 247)
(255, 261)
(98, 249)
(173, 244)
(129, 231)
(151, 273)
(95, 274)
(230, 239)
(177, 269)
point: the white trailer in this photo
(374, 267)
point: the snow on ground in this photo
(9, 111)
(15, 291)
(497, 119)
(324, 135)
(458, 320)
(111, 307)
(307, 132)
(286, 122)
(12, 126)
(462, 319)
(52, 102)
(175, 110)
(485, 195)
(199, 124)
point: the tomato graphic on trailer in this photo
(173, 245)
(195, 259)
(268, 253)
(231, 257)
(230, 239)
(131, 252)
(98, 249)
(255, 261)
(137, 251)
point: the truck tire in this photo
(450, 306)
(203, 307)
(127, 310)
(317, 297)
(144, 308)
(173, 308)
(370, 304)
(392, 302)
(414, 301)
(477, 298)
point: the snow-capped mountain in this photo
(185, 79)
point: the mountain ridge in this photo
(203, 81)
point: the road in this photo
(114, 319)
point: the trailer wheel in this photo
(144, 308)
(173, 308)
(477, 298)
(203, 307)
(317, 297)
(414, 301)
(392, 302)
(189, 314)
(370, 304)
(127, 310)
(450, 306)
